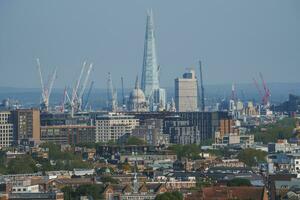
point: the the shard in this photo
(150, 74)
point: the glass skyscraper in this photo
(150, 73)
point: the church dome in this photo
(137, 95)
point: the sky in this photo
(235, 40)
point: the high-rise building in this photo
(150, 74)
(186, 92)
(112, 126)
(26, 124)
(6, 129)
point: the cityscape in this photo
(139, 137)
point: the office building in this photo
(26, 124)
(150, 73)
(112, 126)
(6, 129)
(186, 92)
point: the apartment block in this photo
(111, 126)
(6, 129)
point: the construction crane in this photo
(111, 94)
(267, 93)
(63, 102)
(46, 89)
(265, 96)
(258, 88)
(88, 96)
(202, 88)
(78, 90)
(123, 95)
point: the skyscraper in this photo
(186, 93)
(150, 73)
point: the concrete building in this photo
(186, 92)
(6, 129)
(68, 134)
(112, 126)
(26, 124)
(151, 131)
(282, 146)
(243, 140)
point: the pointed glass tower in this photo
(150, 73)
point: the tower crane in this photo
(46, 90)
(79, 89)
(88, 96)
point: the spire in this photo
(150, 79)
(137, 82)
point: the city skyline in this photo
(259, 41)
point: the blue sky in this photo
(235, 39)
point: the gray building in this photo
(186, 92)
(194, 127)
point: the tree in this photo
(132, 140)
(176, 195)
(191, 151)
(92, 190)
(239, 182)
(251, 156)
(282, 129)
(21, 165)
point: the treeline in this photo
(283, 129)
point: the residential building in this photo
(68, 134)
(151, 131)
(186, 92)
(282, 146)
(242, 140)
(26, 124)
(112, 126)
(221, 192)
(6, 129)
(195, 127)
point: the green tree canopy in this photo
(283, 129)
(239, 182)
(251, 156)
(191, 151)
(132, 140)
(21, 165)
(92, 190)
(176, 195)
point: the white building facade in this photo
(112, 126)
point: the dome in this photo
(137, 95)
(137, 101)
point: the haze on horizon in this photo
(234, 39)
